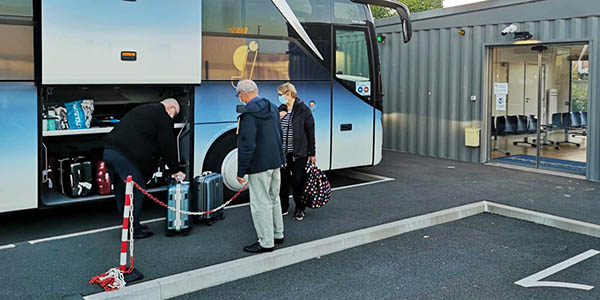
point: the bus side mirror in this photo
(401, 9)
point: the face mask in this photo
(242, 101)
(282, 99)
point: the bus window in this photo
(16, 54)
(351, 58)
(21, 8)
(312, 11)
(236, 58)
(348, 12)
(259, 17)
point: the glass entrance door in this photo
(538, 100)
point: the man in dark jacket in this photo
(260, 156)
(134, 146)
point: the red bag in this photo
(102, 178)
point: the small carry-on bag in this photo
(178, 197)
(75, 177)
(208, 194)
(317, 190)
(103, 183)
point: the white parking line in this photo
(348, 173)
(64, 236)
(7, 246)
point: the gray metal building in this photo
(436, 85)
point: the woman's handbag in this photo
(317, 190)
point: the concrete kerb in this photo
(195, 280)
(543, 218)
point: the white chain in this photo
(131, 224)
(117, 274)
(199, 213)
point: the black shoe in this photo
(299, 215)
(257, 248)
(279, 241)
(285, 213)
(143, 226)
(140, 234)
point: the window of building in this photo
(16, 53)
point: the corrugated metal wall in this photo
(428, 83)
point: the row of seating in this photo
(520, 124)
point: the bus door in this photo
(353, 99)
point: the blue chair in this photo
(584, 122)
(557, 120)
(579, 122)
(565, 125)
(532, 122)
(511, 125)
(500, 124)
(575, 119)
(523, 128)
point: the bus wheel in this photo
(222, 158)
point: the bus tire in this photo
(222, 154)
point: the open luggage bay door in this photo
(121, 42)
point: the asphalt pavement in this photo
(58, 268)
(479, 257)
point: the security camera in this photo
(510, 29)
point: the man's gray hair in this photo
(246, 86)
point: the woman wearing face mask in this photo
(298, 127)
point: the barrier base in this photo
(133, 276)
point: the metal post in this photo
(540, 50)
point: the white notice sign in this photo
(501, 88)
(500, 102)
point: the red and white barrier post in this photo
(115, 279)
(127, 214)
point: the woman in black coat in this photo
(298, 127)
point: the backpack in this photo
(317, 190)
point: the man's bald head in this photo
(171, 106)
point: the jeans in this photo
(119, 168)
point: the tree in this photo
(414, 6)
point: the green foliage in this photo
(579, 96)
(414, 6)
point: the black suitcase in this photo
(208, 195)
(75, 177)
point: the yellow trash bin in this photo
(472, 137)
